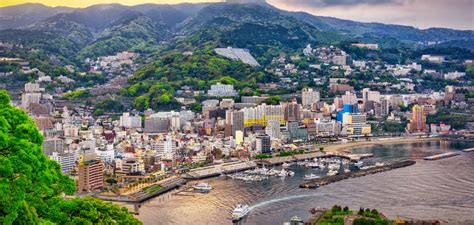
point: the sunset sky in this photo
(457, 14)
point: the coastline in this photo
(342, 148)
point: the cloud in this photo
(458, 14)
(329, 3)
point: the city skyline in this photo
(421, 14)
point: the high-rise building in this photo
(368, 95)
(91, 177)
(309, 96)
(262, 114)
(166, 148)
(67, 160)
(273, 129)
(418, 120)
(130, 121)
(385, 105)
(156, 125)
(53, 145)
(263, 144)
(292, 111)
(349, 98)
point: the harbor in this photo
(276, 199)
(308, 156)
(363, 172)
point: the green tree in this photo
(31, 185)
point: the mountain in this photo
(263, 29)
(257, 27)
(23, 15)
(379, 30)
(138, 30)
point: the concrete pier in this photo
(331, 179)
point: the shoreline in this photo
(342, 148)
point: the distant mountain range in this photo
(107, 28)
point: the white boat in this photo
(312, 165)
(240, 211)
(291, 173)
(311, 177)
(332, 172)
(283, 173)
(202, 187)
(286, 165)
(468, 150)
(359, 164)
(301, 163)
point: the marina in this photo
(308, 156)
(219, 169)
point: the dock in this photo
(441, 156)
(307, 156)
(143, 195)
(217, 170)
(363, 172)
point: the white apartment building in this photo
(222, 90)
(309, 96)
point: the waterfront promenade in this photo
(345, 147)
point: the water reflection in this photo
(428, 190)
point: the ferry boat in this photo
(311, 177)
(202, 187)
(239, 212)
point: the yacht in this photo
(286, 165)
(240, 211)
(202, 187)
(313, 165)
(332, 172)
(359, 164)
(283, 173)
(311, 177)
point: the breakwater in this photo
(363, 172)
(441, 156)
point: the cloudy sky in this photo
(419, 13)
(457, 14)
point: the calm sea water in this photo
(442, 189)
